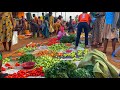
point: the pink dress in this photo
(61, 33)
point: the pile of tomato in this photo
(27, 73)
(52, 41)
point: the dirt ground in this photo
(23, 42)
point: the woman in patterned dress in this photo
(51, 23)
(6, 29)
(98, 29)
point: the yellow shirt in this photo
(41, 18)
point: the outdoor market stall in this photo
(58, 59)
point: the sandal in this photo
(113, 54)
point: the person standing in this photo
(51, 23)
(70, 25)
(6, 29)
(23, 24)
(42, 17)
(76, 18)
(45, 28)
(109, 33)
(97, 29)
(40, 21)
(84, 21)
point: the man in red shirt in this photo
(84, 21)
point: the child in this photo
(61, 32)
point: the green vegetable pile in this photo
(60, 70)
(77, 56)
(58, 47)
(89, 68)
(26, 58)
(6, 60)
(27, 49)
(46, 62)
(67, 39)
(80, 73)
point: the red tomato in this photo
(3, 69)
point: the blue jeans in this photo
(86, 29)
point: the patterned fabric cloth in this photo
(6, 27)
(51, 23)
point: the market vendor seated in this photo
(61, 32)
(1, 74)
(19, 27)
(34, 27)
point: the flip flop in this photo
(113, 54)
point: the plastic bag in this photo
(15, 38)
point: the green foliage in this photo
(67, 39)
(63, 67)
(26, 58)
(80, 73)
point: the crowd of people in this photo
(104, 26)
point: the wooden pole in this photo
(65, 16)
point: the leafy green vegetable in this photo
(45, 61)
(27, 49)
(67, 39)
(58, 47)
(26, 58)
(90, 69)
(63, 67)
(80, 73)
(6, 60)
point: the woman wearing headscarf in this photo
(6, 29)
(97, 29)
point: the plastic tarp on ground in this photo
(102, 67)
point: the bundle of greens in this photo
(67, 39)
(26, 58)
(80, 73)
(60, 70)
